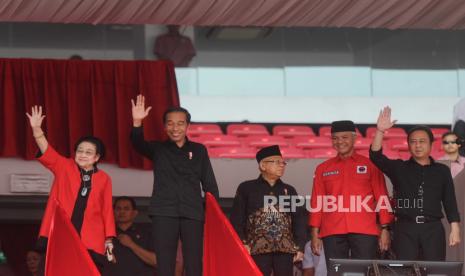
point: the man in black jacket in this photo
(182, 169)
(422, 188)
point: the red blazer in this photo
(98, 217)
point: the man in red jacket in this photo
(348, 194)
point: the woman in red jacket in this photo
(81, 189)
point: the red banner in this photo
(66, 255)
(224, 253)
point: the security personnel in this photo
(421, 188)
(357, 188)
(275, 237)
(133, 247)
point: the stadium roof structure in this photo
(386, 14)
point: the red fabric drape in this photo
(66, 254)
(223, 252)
(82, 98)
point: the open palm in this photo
(36, 117)
(384, 119)
(139, 112)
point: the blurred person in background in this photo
(451, 144)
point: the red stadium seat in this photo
(202, 129)
(261, 141)
(289, 131)
(292, 153)
(437, 155)
(395, 132)
(321, 153)
(233, 152)
(324, 131)
(217, 140)
(397, 144)
(244, 130)
(438, 132)
(362, 143)
(392, 154)
(312, 142)
(437, 148)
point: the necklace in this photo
(85, 178)
(84, 191)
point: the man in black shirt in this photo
(182, 169)
(421, 188)
(133, 247)
(274, 237)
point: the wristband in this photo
(38, 136)
(385, 226)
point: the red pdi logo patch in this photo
(361, 169)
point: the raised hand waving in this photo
(36, 117)
(139, 112)
(384, 119)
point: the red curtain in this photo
(223, 252)
(82, 98)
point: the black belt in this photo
(416, 219)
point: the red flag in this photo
(223, 252)
(66, 255)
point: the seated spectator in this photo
(451, 146)
(133, 248)
(34, 263)
(313, 265)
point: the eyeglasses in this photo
(276, 162)
(449, 142)
(85, 152)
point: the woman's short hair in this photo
(99, 146)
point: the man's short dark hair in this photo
(128, 198)
(177, 109)
(421, 128)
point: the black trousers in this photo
(166, 233)
(354, 246)
(422, 241)
(280, 263)
(99, 260)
